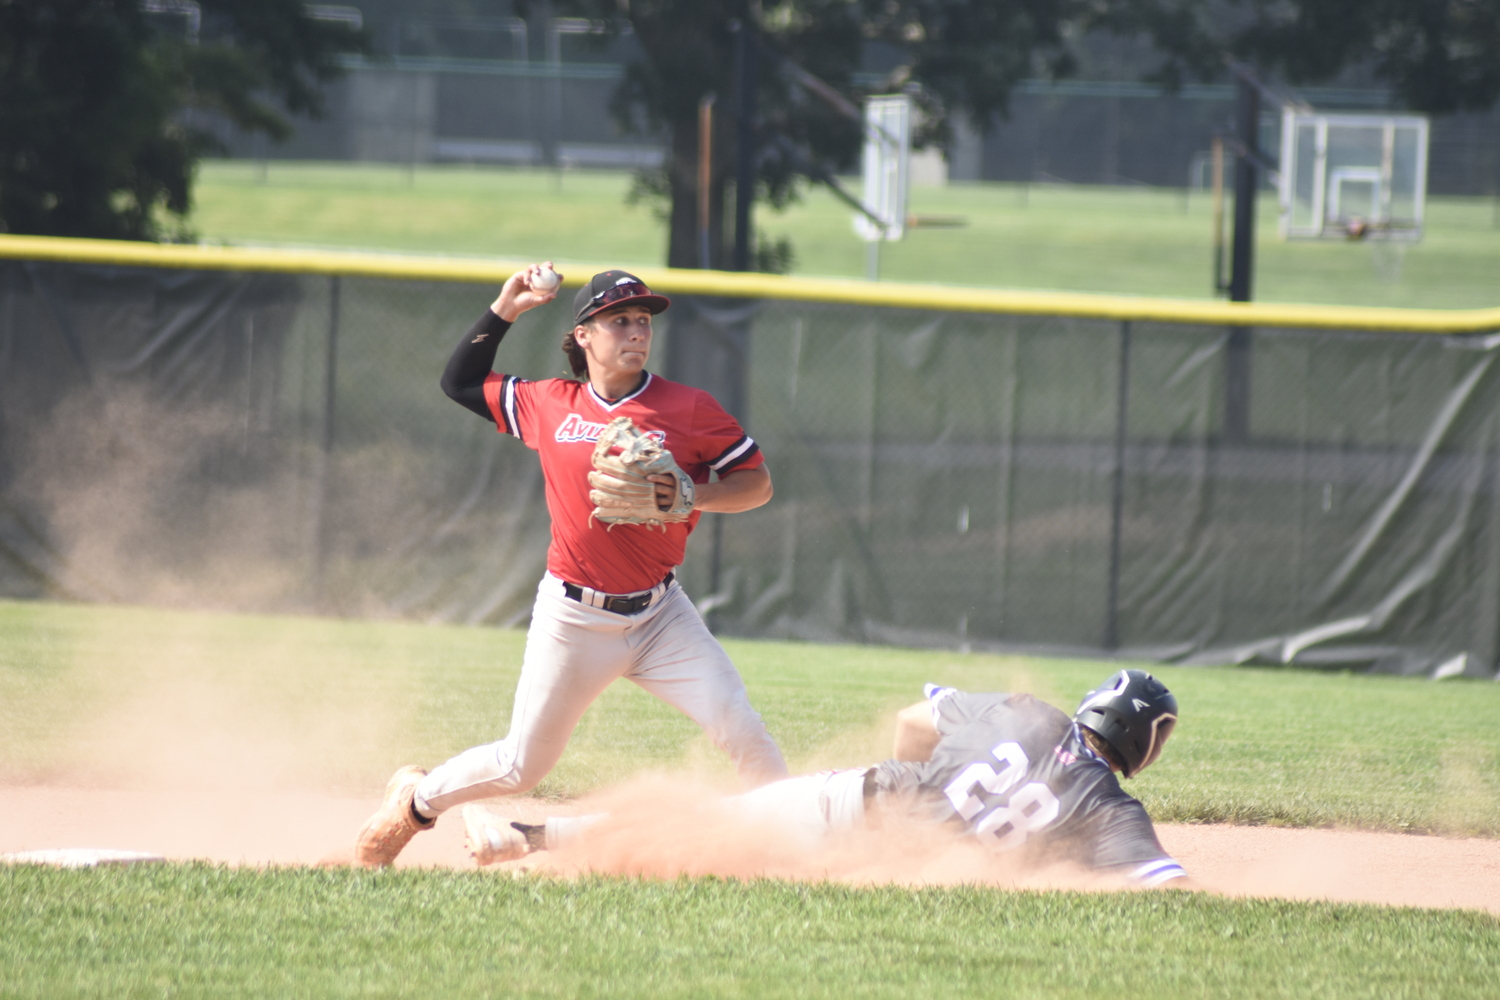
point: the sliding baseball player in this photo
(629, 461)
(1008, 770)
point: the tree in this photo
(965, 56)
(957, 56)
(100, 99)
(688, 51)
(1438, 56)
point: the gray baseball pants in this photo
(573, 652)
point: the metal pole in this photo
(705, 177)
(745, 147)
(411, 86)
(1117, 497)
(551, 127)
(325, 454)
(1242, 266)
(1242, 263)
(1218, 210)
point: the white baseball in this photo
(545, 280)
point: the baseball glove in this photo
(622, 493)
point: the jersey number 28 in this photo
(1006, 824)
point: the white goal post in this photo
(1352, 176)
(887, 167)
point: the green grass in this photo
(339, 703)
(327, 704)
(194, 930)
(1142, 241)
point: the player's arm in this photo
(916, 732)
(1125, 842)
(743, 481)
(474, 359)
(740, 490)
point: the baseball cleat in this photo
(394, 823)
(490, 839)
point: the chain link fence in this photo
(1044, 474)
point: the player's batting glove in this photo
(623, 493)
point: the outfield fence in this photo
(1187, 481)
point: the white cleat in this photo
(490, 838)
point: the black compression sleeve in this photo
(472, 362)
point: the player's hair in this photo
(1096, 743)
(576, 358)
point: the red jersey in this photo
(561, 419)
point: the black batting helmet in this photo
(1134, 713)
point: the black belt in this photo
(632, 605)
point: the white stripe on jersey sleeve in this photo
(746, 443)
(1154, 873)
(936, 692)
(508, 404)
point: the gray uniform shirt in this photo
(1015, 773)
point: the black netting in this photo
(275, 442)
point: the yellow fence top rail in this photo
(769, 286)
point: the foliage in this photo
(963, 57)
(774, 255)
(954, 56)
(689, 51)
(1438, 57)
(102, 102)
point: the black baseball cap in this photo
(613, 288)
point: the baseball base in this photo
(78, 857)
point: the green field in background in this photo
(201, 931)
(1143, 241)
(338, 705)
(315, 703)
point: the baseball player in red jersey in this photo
(608, 606)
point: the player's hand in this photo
(517, 294)
(666, 491)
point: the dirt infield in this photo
(298, 829)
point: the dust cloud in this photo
(665, 826)
(214, 504)
(189, 760)
(168, 505)
(185, 727)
